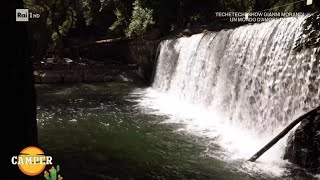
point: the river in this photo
(100, 131)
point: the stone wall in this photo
(106, 52)
(85, 73)
(144, 53)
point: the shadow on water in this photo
(93, 131)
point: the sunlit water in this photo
(102, 132)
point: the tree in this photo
(141, 20)
(59, 17)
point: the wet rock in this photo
(72, 78)
(152, 34)
(187, 32)
(109, 78)
(37, 76)
(129, 77)
(93, 77)
(311, 33)
(51, 77)
(303, 148)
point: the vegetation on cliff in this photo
(65, 23)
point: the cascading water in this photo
(242, 85)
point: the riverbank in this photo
(85, 71)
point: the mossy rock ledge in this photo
(303, 146)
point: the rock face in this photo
(144, 53)
(303, 148)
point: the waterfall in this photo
(251, 74)
(237, 87)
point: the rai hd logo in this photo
(23, 15)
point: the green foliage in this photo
(85, 8)
(62, 20)
(68, 23)
(59, 17)
(119, 22)
(90, 9)
(141, 20)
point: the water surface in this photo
(97, 131)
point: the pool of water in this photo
(98, 131)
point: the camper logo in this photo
(31, 161)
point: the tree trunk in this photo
(282, 134)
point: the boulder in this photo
(303, 147)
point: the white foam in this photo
(238, 143)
